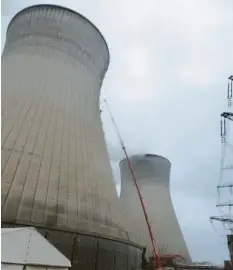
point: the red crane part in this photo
(156, 254)
(175, 256)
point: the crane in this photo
(156, 254)
(153, 243)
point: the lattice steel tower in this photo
(225, 185)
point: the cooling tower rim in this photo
(61, 8)
(147, 155)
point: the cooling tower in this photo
(56, 173)
(153, 176)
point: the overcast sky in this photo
(166, 86)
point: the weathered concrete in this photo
(153, 177)
(55, 167)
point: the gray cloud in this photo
(166, 86)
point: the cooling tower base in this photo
(88, 252)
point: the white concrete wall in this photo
(55, 166)
(153, 176)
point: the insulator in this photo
(231, 89)
(224, 126)
(223, 139)
(229, 102)
(221, 133)
(228, 90)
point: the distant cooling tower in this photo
(56, 173)
(153, 177)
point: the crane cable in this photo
(156, 254)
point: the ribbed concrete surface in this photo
(55, 166)
(153, 176)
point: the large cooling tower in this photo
(153, 176)
(56, 172)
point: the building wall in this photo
(55, 167)
(9, 266)
(91, 252)
(153, 175)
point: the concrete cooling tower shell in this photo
(153, 176)
(56, 173)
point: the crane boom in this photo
(156, 254)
